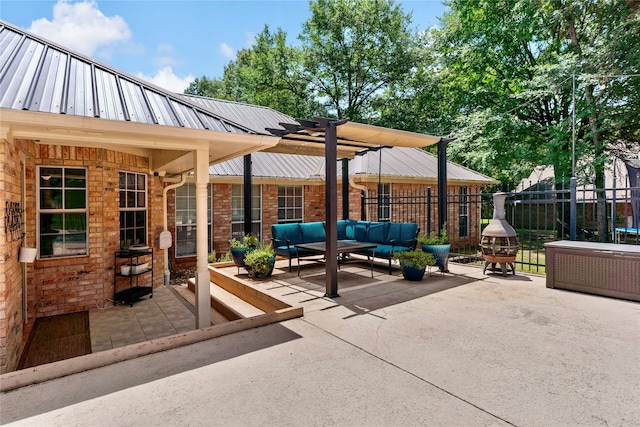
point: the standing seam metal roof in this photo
(37, 75)
(256, 117)
(396, 162)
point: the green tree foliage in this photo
(353, 51)
(498, 75)
(506, 67)
(267, 74)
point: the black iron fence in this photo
(541, 213)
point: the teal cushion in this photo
(285, 251)
(313, 232)
(403, 233)
(377, 232)
(342, 229)
(360, 231)
(284, 232)
(349, 229)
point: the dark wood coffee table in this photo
(344, 247)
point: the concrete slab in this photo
(463, 349)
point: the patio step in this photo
(228, 304)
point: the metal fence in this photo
(541, 213)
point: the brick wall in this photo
(314, 210)
(70, 284)
(420, 216)
(12, 326)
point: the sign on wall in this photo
(13, 223)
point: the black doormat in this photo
(57, 338)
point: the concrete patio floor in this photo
(460, 349)
(149, 318)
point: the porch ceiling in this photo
(171, 149)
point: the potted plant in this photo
(414, 263)
(260, 262)
(239, 248)
(437, 245)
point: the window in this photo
(133, 209)
(463, 218)
(62, 211)
(289, 204)
(237, 210)
(186, 220)
(384, 202)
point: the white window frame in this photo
(463, 212)
(384, 206)
(125, 207)
(62, 245)
(290, 203)
(237, 210)
(186, 225)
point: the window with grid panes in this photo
(62, 211)
(463, 215)
(384, 204)
(186, 220)
(133, 209)
(290, 204)
(237, 210)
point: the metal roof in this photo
(271, 165)
(255, 117)
(37, 75)
(396, 163)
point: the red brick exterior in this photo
(69, 284)
(314, 210)
(11, 271)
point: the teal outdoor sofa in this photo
(389, 237)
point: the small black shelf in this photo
(132, 294)
(134, 291)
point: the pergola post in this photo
(345, 188)
(331, 203)
(248, 221)
(442, 186)
(331, 182)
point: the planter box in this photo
(598, 268)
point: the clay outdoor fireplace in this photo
(499, 242)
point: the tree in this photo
(354, 50)
(509, 69)
(267, 74)
(203, 86)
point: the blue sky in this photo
(171, 42)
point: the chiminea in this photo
(499, 240)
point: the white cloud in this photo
(163, 61)
(165, 47)
(227, 51)
(250, 39)
(166, 79)
(166, 59)
(81, 27)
